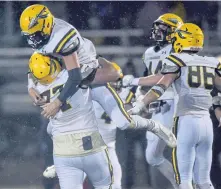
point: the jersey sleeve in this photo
(218, 70)
(171, 64)
(31, 81)
(69, 43)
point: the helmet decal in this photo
(34, 21)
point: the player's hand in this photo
(127, 80)
(138, 106)
(35, 96)
(51, 109)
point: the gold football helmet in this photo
(164, 26)
(36, 23)
(44, 68)
(188, 37)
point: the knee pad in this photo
(204, 186)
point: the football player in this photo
(163, 109)
(51, 36)
(193, 77)
(78, 147)
(107, 129)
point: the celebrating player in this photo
(51, 36)
(78, 147)
(193, 77)
(163, 109)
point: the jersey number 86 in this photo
(200, 76)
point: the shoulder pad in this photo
(64, 38)
(68, 44)
(170, 65)
(176, 59)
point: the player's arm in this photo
(108, 72)
(67, 48)
(170, 72)
(217, 79)
(35, 96)
(158, 90)
(215, 94)
(146, 80)
(70, 58)
(149, 80)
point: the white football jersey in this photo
(64, 37)
(76, 115)
(153, 61)
(195, 81)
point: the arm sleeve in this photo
(72, 84)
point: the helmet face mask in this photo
(164, 27)
(36, 40)
(160, 31)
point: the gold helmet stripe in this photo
(71, 33)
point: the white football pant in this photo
(193, 155)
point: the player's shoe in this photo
(50, 172)
(165, 134)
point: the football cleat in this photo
(50, 172)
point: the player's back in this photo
(195, 82)
(66, 38)
(77, 115)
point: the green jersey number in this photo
(157, 70)
(52, 92)
(200, 76)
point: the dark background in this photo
(120, 31)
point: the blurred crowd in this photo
(110, 15)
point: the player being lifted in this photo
(51, 36)
(193, 77)
(163, 109)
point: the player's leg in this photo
(99, 170)
(107, 97)
(204, 155)
(117, 172)
(156, 146)
(69, 171)
(183, 156)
